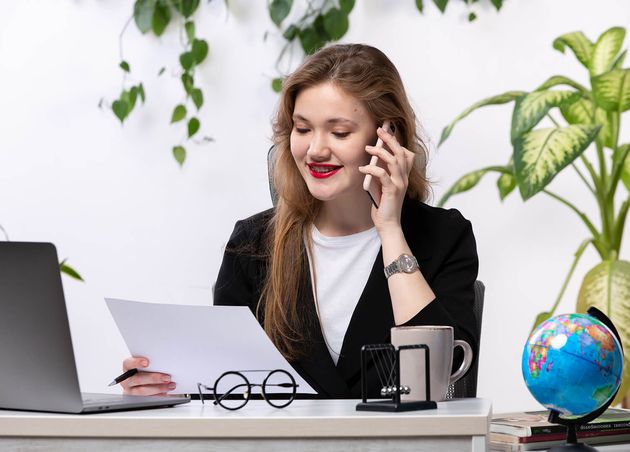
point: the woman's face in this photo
(330, 131)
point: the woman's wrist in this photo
(394, 244)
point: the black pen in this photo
(123, 377)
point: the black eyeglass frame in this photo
(218, 398)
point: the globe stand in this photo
(572, 425)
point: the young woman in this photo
(325, 271)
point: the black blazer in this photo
(441, 240)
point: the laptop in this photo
(37, 366)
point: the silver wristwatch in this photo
(405, 263)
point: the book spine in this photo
(596, 427)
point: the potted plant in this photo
(585, 140)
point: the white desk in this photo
(305, 425)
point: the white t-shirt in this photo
(342, 268)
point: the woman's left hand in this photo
(393, 180)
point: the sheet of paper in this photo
(196, 344)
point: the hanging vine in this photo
(323, 21)
(154, 16)
(326, 21)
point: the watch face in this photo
(407, 264)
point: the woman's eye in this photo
(301, 130)
(341, 134)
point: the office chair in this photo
(466, 386)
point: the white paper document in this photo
(196, 344)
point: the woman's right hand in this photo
(145, 383)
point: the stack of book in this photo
(530, 430)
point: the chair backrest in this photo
(270, 166)
(467, 386)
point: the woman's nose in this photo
(318, 148)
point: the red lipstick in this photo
(322, 170)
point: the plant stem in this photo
(590, 170)
(586, 182)
(620, 225)
(4, 232)
(577, 255)
(601, 249)
(553, 120)
(120, 47)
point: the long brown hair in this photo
(367, 74)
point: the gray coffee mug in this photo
(441, 344)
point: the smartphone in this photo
(373, 188)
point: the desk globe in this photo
(572, 364)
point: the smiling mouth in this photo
(321, 171)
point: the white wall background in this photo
(137, 226)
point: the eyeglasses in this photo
(232, 390)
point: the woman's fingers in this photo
(145, 383)
(135, 362)
(148, 378)
(151, 389)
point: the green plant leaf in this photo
(539, 155)
(506, 184)
(161, 18)
(120, 109)
(179, 152)
(346, 6)
(186, 7)
(441, 4)
(193, 126)
(197, 97)
(620, 163)
(133, 96)
(187, 60)
(279, 10)
(290, 33)
(199, 50)
(472, 17)
(65, 268)
(161, 71)
(179, 113)
(468, 181)
(420, 5)
(625, 171)
(612, 90)
(336, 23)
(143, 14)
(129, 97)
(311, 40)
(141, 92)
(494, 100)
(187, 82)
(532, 107)
(581, 46)
(497, 4)
(190, 30)
(578, 112)
(607, 287)
(276, 84)
(619, 61)
(561, 80)
(124, 66)
(606, 49)
(581, 112)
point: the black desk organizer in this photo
(395, 404)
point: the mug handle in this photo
(468, 359)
